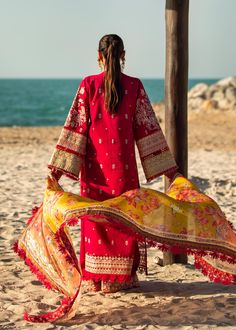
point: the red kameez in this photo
(100, 148)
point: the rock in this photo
(218, 95)
(224, 104)
(211, 90)
(230, 81)
(209, 104)
(233, 82)
(198, 90)
(230, 94)
(195, 103)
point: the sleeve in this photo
(154, 152)
(70, 149)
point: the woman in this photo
(110, 112)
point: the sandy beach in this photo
(171, 297)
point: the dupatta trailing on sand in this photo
(182, 221)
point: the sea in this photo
(46, 102)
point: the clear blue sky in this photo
(59, 38)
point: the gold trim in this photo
(151, 233)
(153, 165)
(72, 140)
(66, 161)
(151, 143)
(108, 265)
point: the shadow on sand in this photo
(191, 304)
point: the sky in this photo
(59, 38)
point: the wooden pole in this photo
(176, 89)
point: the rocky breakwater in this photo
(219, 96)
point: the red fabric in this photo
(107, 164)
(110, 166)
(109, 170)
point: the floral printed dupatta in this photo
(182, 221)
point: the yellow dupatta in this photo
(182, 221)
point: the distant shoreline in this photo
(34, 102)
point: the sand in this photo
(170, 297)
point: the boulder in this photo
(221, 95)
(230, 81)
(218, 95)
(223, 104)
(211, 90)
(198, 90)
(209, 104)
(230, 94)
(195, 103)
(233, 82)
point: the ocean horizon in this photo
(46, 101)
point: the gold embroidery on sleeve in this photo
(157, 164)
(73, 141)
(67, 161)
(151, 143)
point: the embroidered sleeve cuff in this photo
(156, 165)
(73, 141)
(68, 163)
